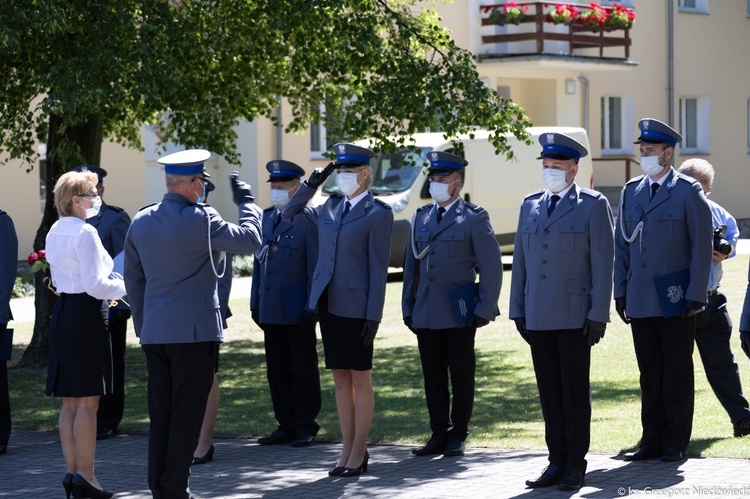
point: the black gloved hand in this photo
(691, 308)
(318, 176)
(241, 191)
(407, 321)
(594, 331)
(369, 330)
(255, 314)
(620, 307)
(309, 317)
(476, 321)
(745, 342)
(521, 328)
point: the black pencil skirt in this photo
(80, 348)
(342, 342)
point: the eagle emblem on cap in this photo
(645, 124)
(434, 156)
(275, 164)
(342, 148)
(550, 138)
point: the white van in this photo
(491, 181)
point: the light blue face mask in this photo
(202, 198)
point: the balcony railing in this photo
(573, 39)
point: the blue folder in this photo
(671, 289)
(464, 299)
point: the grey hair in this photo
(174, 181)
(700, 169)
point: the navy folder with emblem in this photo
(464, 299)
(671, 289)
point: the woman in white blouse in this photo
(80, 364)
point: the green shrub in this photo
(24, 285)
(242, 265)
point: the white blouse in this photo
(78, 261)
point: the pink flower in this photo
(33, 257)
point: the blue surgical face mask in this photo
(202, 197)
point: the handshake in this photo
(241, 191)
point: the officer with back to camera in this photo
(450, 239)
(8, 264)
(173, 258)
(561, 290)
(283, 271)
(663, 248)
(111, 223)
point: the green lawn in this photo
(506, 413)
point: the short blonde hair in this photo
(69, 185)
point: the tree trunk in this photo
(88, 138)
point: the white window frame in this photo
(318, 150)
(701, 6)
(627, 114)
(702, 128)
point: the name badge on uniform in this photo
(327, 221)
(423, 229)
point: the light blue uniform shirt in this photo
(720, 216)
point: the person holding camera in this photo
(713, 327)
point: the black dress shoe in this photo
(434, 446)
(742, 428)
(336, 471)
(68, 484)
(277, 437)
(207, 458)
(359, 470)
(454, 448)
(572, 480)
(104, 433)
(671, 455)
(303, 440)
(643, 453)
(551, 475)
(82, 488)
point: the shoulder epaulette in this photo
(424, 207)
(686, 178)
(474, 207)
(148, 206)
(383, 203)
(635, 179)
(591, 192)
(115, 208)
(337, 195)
(272, 207)
(535, 194)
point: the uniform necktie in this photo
(277, 221)
(347, 206)
(440, 212)
(654, 188)
(552, 204)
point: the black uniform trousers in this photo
(444, 352)
(4, 397)
(180, 376)
(664, 349)
(293, 377)
(561, 362)
(713, 330)
(111, 407)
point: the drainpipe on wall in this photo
(279, 132)
(586, 90)
(670, 63)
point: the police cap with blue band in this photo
(655, 132)
(100, 172)
(560, 146)
(349, 155)
(188, 162)
(282, 171)
(445, 163)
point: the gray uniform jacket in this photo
(462, 242)
(168, 276)
(353, 254)
(112, 225)
(283, 271)
(562, 264)
(676, 234)
(8, 263)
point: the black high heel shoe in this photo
(68, 484)
(336, 471)
(82, 488)
(357, 471)
(209, 456)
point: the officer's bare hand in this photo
(521, 327)
(691, 308)
(620, 307)
(369, 330)
(719, 257)
(407, 321)
(745, 342)
(594, 331)
(241, 191)
(319, 175)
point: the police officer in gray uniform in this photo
(112, 224)
(282, 273)
(664, 230)
(449, 242)
(8, 263)
(561, 290)
(173, 258)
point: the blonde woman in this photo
(80, 364)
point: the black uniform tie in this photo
(552, 204)
(654, 188)
(347, 206)
(276, 222)
(440, 212)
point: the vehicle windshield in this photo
(391, 173)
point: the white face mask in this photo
(347, 183)
(554, 180)
(280, 197)
(96, 205)
(651, 166)
(439, 192)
